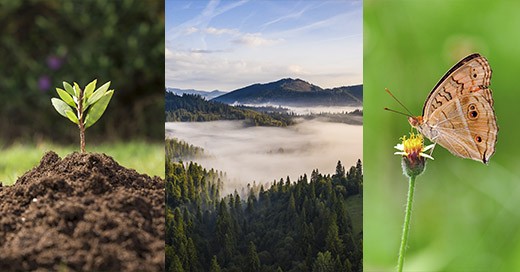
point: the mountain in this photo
(294, 92)
(204, 94)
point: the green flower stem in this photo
(406, 227)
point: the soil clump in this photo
(84, 212)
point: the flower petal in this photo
(426, 156)
(428, 147)
(399, 147)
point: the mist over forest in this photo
(263, 154)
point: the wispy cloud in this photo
(227, 45)
(201, 67)
(190, 30)
(187, 6)
(221, 31)
(205, 51)
(291, 15)
(210, 30)
(201, 21)
(167, 53)
(255, 39)
(339, 19)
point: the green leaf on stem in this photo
(68, 88)
(72, 117)
(77, 90)
(89, 89)
(66, 97)
(97, 109)
(60, 106)
(97, 94)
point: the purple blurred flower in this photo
(44, 83)
(54, 62)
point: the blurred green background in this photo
(45, 42)
(466, 215)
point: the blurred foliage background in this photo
(466, 215)
(46, 42)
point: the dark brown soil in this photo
(82, 213)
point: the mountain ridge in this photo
(208, 95)
(290, 91)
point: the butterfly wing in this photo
(471, 74)
(458, 113)
(466, 127)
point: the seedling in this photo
(82, 107)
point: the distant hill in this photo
(294, 92)
(193, 108)
(204, 94)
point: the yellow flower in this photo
(413, 146)
(413, 151)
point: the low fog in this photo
(304, 110)
(263, 154)
(317, 110)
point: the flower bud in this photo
(414, 159)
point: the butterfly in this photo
(458, 114)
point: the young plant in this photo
(82, 107)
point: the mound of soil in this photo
(82, 213)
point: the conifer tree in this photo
(340, 170)
(332, 241)
(253, 262)
(323, 263)
(215, 267)
(176, 264)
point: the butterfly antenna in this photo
(405, 114)
(402, 105)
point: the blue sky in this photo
(227, 45)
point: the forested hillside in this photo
(178, 150)
(189, 108)
(287, 226)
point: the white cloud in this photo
(191, 30)
(255, 40)
(210, 71)
(211, 11)
(205, 54)
(290, 15)
(226, 72)
(296, 69)
(167, 53)
(206, 51)
(220, 31)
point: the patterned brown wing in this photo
(471, 74)
(466, 125)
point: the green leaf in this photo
(90, 89)
(97, 94)
(66, 97)
(60, 106)
(86, 119)
(76, 89)
(98, 109)
(72, 117)
(68, 88)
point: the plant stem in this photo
(406, 227)
(81, 125)
(82, 136)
